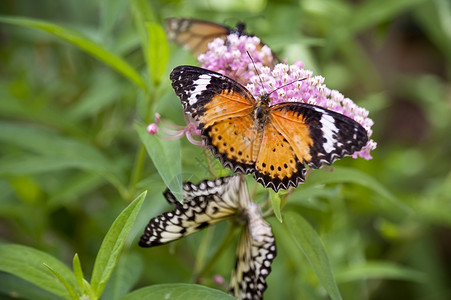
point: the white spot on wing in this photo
(329, 130)
(200, 85)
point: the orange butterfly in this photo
(195, 35)
(250, 136)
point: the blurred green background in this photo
(71, 159)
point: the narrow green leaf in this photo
(22, 289)
(82, 42)
(110, 15)
(377, 269)
(87, 290)
(112, 245)
(66, 284)
(158, 52)
(275, 202)
(177, 292)
(166, 157)
(142, 13)
(78, 271)
(309, 242)
(28, 263)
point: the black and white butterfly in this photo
(210, 202)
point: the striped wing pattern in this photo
(255, 253)
(206, 203)
(212, 201)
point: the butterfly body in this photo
(274, 142)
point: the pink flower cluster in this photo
(231, 57)
(295, 84)
(286, 83)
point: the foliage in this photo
(74, 153)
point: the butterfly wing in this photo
(194, 34)
(206, 203)
(209, 96)
(277, 165)
(255, 253)
(314, 135)
(326, 134)
(224, 110)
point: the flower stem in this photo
(225, 243)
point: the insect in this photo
(195, 35)
(249, 135)
(210, 202)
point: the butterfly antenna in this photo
(255, 67)
(280, 87)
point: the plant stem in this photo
(203, 249)
(209, 163)
(225, 243)
(140, 155)
(137, 170)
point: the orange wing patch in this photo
(227, 104)
(293, 127)
(277, 165)
(233, 141)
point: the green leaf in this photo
(78, 271)
(166, 157)
(112, 245)
(309, 242)
(125, 276)
(82, 42)
(22, 289)
(177, 292)
(342, 174)
(51, 151)
(28, 263)
(142, 13)
(67, 152)
(275, 202)
(66, 284)
(157, 52)
(376, 269)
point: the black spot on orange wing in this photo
(277, 169)
(233, 142)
